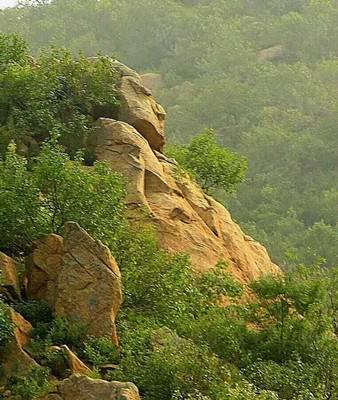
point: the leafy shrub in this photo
(63, 332)
(214, 167)
(179, 364)
(58, 332)
(166, 286)
(35, 311)
(13, 50)
(36, 384)
(40, 197)
(291, 380)
(99, 351)
(6, 327)
(55, 91)
(295, 313)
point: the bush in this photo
(62, 332)
(55, 91)
(35, 385)
(57, 333)
(40, 197)
(100, 351)
(165, 363)
(166, 286)
(6, 326)
(35, 311)
(214, 167)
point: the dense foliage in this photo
(40, 197)
(277, 107)
(214, 167)
(53, 93)
(6, 326)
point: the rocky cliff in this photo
(78, 277)
(187, 220)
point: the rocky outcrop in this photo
(9, 279)
(44, 268)
(89, 284)
(139, 108)
(187, 219)
(84, 388)
(66, 363)
(273, 53)
(79, 278)
(14, 359)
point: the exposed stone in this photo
(139, 108)
(9, 279)
(89, 284)
(44, 267)
(66, 363)
(187, 219)
(14, 359)
(84, 388)
(271, 53)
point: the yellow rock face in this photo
(14, 359)
(187, 220)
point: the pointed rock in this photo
(139, 108)
(9, 279)
(14, 359)
(66, 363)
(89, 284)
(84, 388)
(44, 268)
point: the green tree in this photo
(40, 197)
(214, 167)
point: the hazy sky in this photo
(7, 3)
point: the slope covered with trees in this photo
(176, 342)
(261, 73)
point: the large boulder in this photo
(9, 279)
(187, 220)
(89, 284)
(84, 388)
(79, 278)
(139, 108)
(44, 267)
(14, 359)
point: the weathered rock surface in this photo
(89, 283)
(84, 388)
(79, 279)
(187, 219)
(44, 268)
(139, 108)
(66, 363)
(273, 53)
(14, 359)
(9, 279)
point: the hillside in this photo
(120, 277)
